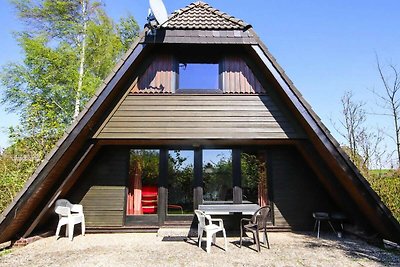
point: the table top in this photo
(226, 209)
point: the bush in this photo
(386, 184)
(17, 163)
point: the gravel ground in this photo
(287, 249)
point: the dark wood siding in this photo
(198, 117)
(296, 191)
(101, 189)
(238, 78)
(159, 77)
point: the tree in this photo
(361, 143)
(390, 99)
(69, 47)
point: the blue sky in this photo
(325, 47)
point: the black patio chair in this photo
(255, 225)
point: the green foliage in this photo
(180, 179)
(148, 163)
(250, 165)
(218, 179)
(16, 165)
(43, 88)
(387, 185)
(253, 175)
(128, 31)
(5, 252)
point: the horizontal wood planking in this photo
(194, 113)
(198, 97)
(139, 119)
(216, 130)
(102, 188)
(104, 208)
(191, 107)
(212, 101)
(198, 116)
(201, 135)
(197, 124)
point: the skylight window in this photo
(195, 76)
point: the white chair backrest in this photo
(63, 207)
(201, 217)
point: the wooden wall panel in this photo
(238, 78)
(198, 116)
(101, 189)
(296, 190)
(159, 77)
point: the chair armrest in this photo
(77, 208)
(220, 222)
(63, 211)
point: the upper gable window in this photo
(198, 77)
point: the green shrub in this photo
(386, 184)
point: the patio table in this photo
(227, 209)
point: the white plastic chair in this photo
(210, 229)
(69, 214)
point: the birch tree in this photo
(69, 47)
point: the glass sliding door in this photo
(254, 177)
(217, 175)
(166, 184)
(180, 182)
(142, 195)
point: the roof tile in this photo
(199, 15)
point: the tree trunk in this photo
(396, 127)
(81, 64)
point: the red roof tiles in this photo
(200, 15)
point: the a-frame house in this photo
(197, 112)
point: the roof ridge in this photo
(208, 8)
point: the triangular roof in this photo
(73, 152)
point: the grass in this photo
(380, 171)
(5, 252)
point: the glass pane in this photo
(142, 186)
(254, 177)
(217, 175)
(180, 182)
(198, 76)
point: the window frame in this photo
(179, 90)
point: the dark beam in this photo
(198, 178)
(72, 176)
(162, 186)
(237, 177)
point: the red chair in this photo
(149, 199)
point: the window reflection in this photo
(217, 175)
(254, 177)
(180, 182)
(142, 186)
